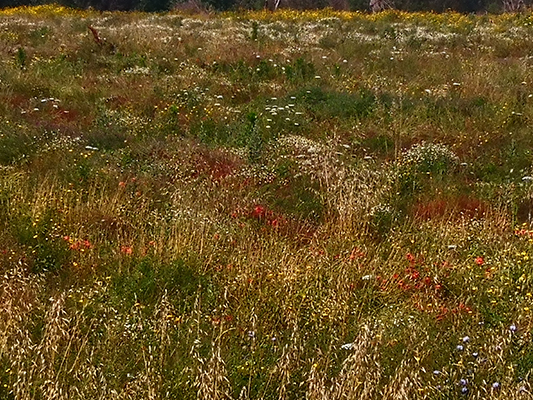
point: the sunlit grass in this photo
(299, 204)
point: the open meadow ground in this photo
(298, 205)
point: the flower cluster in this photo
(430, 157)
(77, 244)
(412, 278)
(262, 214)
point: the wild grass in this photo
(253, 205)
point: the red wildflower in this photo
(126, 250)
(259, 211)
(356, 253)
(410, 258)
(479, 260)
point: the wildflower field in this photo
(292, 205)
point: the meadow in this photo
(253, 205)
